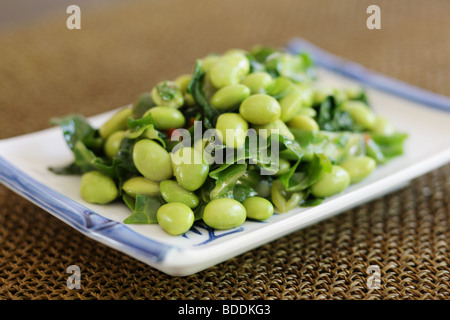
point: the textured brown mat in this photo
(47, 70)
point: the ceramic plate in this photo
(24, 163)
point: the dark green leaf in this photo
(145, 210)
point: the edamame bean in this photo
(383, 126)
(167, 118)
(260, 109)
(152, 160)
(229, 96)
(171, 191)
(277, 126)
(232, 128)
(284, 166)
(284, 201)
(140, 185)
(304, 123)
(209, 61)
(358, 167)
(189, 168)
(183, 82)
(360, 113)
(280, 87)
(168, 94)
(113, 142)
(229, 69)
(258, 208)
(257, 82)
(98, 188)
(119, 121)
(331, 183)
(175, 218)
(291, 104)
(224, 213)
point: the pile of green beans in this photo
(239, 90)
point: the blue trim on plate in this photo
(80, 217)
(367, 77)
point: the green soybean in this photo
(280, 87)
(167, 118)
(383, 126)
(283, 200)
(98, 188)
(141, 186)
(258, 208)
(171, 191)
(119, 121)
(291, 104)
(303, 122)
(175, 218)
(229, 96)
(331, 183)
(152, 160)
(189, 167)
(224, 213)
(168, 94)
(284, 166)
(260, 109)
(257, 82)
(113, 142)
(232, 128)
(228, 69)
(277, 126)
(360, 113)
(358, 167)
(183, 81)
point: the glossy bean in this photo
(358, 167)
(284, 166)
(152, 160)
(175, 218)
(291, 104)
(228, 69)
(112, 143)
(331, 183)
(140, 186)
(277, 126)
(229, 96)
(189, 168)
(183, 81)
(119, 121)
(98, 188)
(167, 118)
(257, 82)
(258, 208)
(360, 113)
(168, 94)
(171, 191)
(280, 87)
(303, 122)
(283, 200)
(260, 109)
(232, 128)
(383, 126)
(224, 213)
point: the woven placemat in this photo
(47, 70)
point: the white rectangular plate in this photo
(24, 163)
